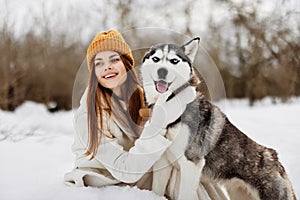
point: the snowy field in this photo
(35, 149)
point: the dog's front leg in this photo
(190, 174)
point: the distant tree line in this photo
(262, 55)
(256, 56)
(37, 70)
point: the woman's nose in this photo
(108, 67)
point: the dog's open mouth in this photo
(162, 86)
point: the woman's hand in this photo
(165, 112)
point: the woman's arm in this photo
(127, 166)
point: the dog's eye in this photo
(174, 61)
(155, 59)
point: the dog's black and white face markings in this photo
(167, 67)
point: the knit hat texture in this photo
(110, 40)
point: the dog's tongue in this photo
(161, 86)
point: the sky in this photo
(88, 17)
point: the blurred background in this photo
(255, 44)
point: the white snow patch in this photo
(33, 165)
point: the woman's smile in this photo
(110, 75)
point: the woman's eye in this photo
(174, 61)
(98, 64)
(115, 60)
(155, 59)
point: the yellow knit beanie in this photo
(108, 41)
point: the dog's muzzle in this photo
(162, 86)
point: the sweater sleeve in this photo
(126, 166)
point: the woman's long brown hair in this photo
(95, 107)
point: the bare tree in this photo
(259, 55)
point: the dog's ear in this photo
(191, 48)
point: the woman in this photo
(112, 146)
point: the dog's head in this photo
(167, 67)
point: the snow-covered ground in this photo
(35, 149)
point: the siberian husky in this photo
(212, 147)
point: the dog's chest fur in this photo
(198, 129)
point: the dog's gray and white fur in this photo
(231, 158)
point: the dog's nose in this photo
(162, 73)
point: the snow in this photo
(35, 149)
(35, 153)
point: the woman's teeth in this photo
(110, 75)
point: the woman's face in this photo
(110, 70)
